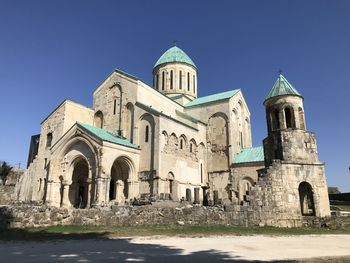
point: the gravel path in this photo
(177, 249)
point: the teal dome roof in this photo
(282, 87)
(174, 54)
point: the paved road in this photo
(176, 249)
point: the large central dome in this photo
(174, 54)
(175, 75)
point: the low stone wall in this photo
(7, 194)
(29, 215)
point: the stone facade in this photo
(162, 142)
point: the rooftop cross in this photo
(174, 42)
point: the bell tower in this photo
(293, 173)
(288, 139)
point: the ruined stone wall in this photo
(7, 194)
(276, 198)
(244, 177)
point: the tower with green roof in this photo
(285, 115)
(175, 75)
(293, 173)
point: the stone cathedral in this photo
(163, 142)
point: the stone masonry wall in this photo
(6, 194)
(29, 215)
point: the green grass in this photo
(101, 232)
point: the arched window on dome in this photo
(163, 80)
(171, 79)
(157, 82)
(194, 84)
(188, 81)
(301, 118)
(180, 79)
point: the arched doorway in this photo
(307, 204)
(119, 183)
(172, 187)
(79, 189)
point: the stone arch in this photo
(147, 146)
(289, 117)
(200, 151)
(129, 122)
(301, 118)
(98, 119)
(68, 168)
(193, 146)
(244, 186)
(218, 141)
(182, 142)
(163, 141)
(122, 172)
(275, 119)
(306, 197)
(173, 141)
(79, 188)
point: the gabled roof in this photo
(174, 54)
(212, 98)
(105, 135)
(249, 155)
(282, 87)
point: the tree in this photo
(5, 169)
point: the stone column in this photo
(65, 194)
(107, 186)
(98, 192)
(88, 182)
(196, 195)
(120, 198)
(49, 186)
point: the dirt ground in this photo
(327, 248)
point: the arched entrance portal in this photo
(306, 199)
(119, 182)
(79, 189)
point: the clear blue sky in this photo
(52, 50)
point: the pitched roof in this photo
(174, 54)
(105, 135)
(249, 155)
(282, 87)
(212, 98)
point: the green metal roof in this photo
(106, 135)
(212, 98)
(174, 54)
(249, 155)
(282, 87)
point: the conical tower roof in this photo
(174, 54)
(282, 87)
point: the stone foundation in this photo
(29, 215)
